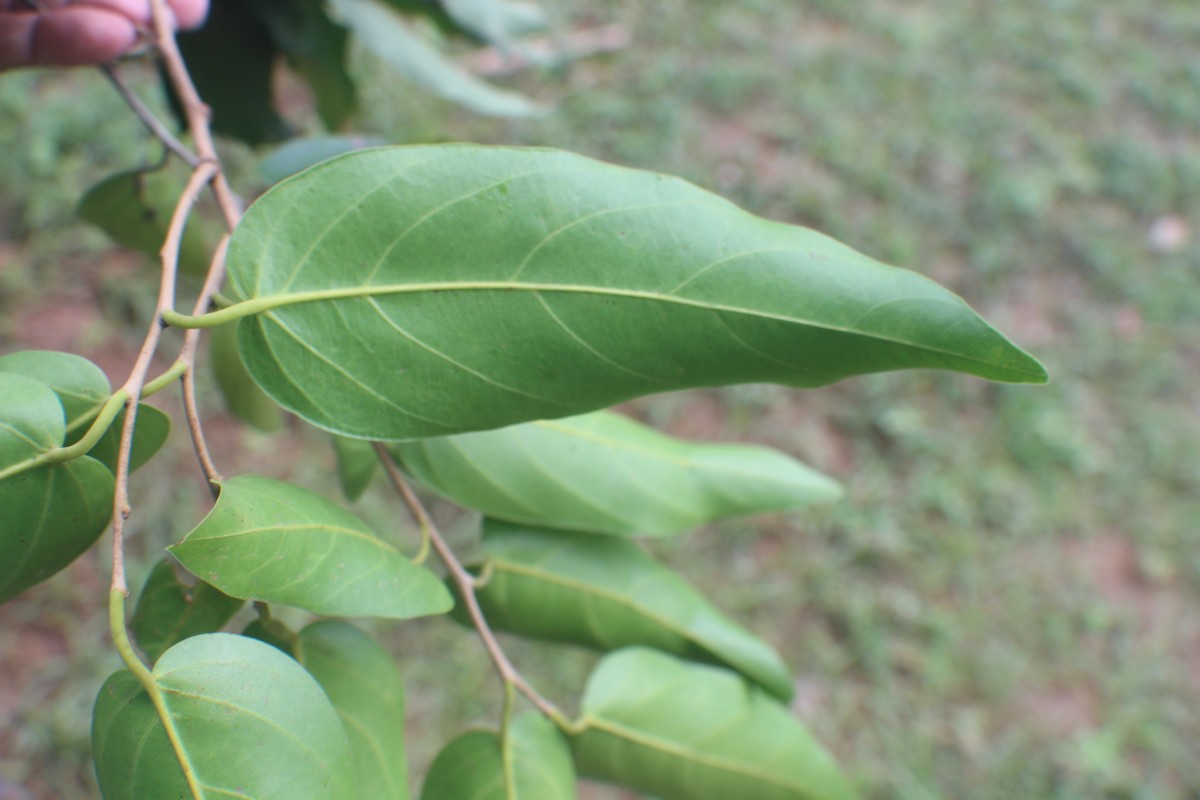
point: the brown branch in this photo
(216, 274)
(137, 375)
(152, 123)
(465, 583)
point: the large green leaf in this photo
(605, 593)
(48, 515)
(606, 473)
(532, 762)
(367, 691)
(497, 21)
(242, 396)
(687, 732)
(271, 541)
(387, 34)
(423, 291)
(300, 154)
(170, 610)
(250, 723)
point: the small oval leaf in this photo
(150, 433)
(250, 722)
(606, 593)
(170, 610)
(51, 514)
(271, 541)
(574, 285)
(81, 386)
(683, 731)
(531, 763)
(606, 473)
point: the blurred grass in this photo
(1008, 602)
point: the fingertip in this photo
(190, 13)
(77, 36)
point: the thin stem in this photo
(137, 376)
(216, 274)
(152, 123)
(100, 423)
(465, 584)
(166, 379)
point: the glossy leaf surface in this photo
(606, 593)
(242, 396)
(170, 610)
(357, 464)
(422, 291)
(531, 763)
(386, 33)
(367, 691)
(251, 723)
(687, 732)
(49, 515)
(606, 473)
(272, 541)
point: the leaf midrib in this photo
(267, 303)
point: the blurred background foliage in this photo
(1007, 602)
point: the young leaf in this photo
(135, 208)
(271, 541)
(367, 691)
(356, 463)
(81, 386)
(386, 33)
(605, 593)
(568, 285)
(150, 433)
(605, 473)
(531, 763)
(249, 722)
(242, 396)
(50, 514)
(687, 732)
(170, 610)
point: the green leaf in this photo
(687, 732)
(424, 291)
(386, 33)
(50, 514)
(606, 473)
(250, 723)
(367, 691)
(271, 541)
(356, 463)
(81, 386)
(150, 433)
(300, 154)
(170, 610)
(605, 593)
(231, 60)
(531, 763)
(242, 396)
(316, 48)
(135, 208)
